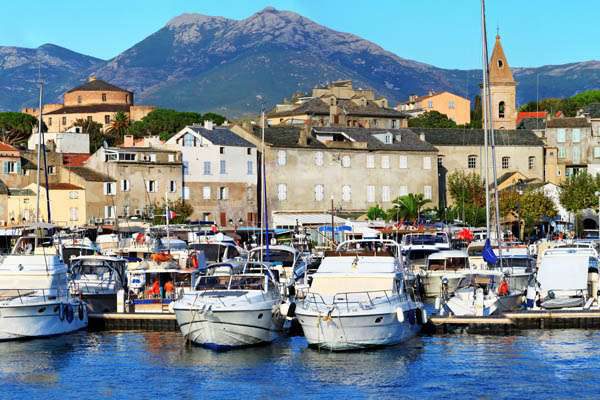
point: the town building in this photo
(95, 100)
(338, 104)
(219, 173)
(139, 178)
(592, 112)
(309, 169)
(71, 141)
(455, 107)
(503, 90)
(67, 204)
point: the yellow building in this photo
(67, 204)
(457, 108)
(20, 207)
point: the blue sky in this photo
(444, 33)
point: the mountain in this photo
(203, 63)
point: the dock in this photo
(133, 321)
(518, 320)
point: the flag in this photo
(488, 253)
(172, 215)
(214, 229)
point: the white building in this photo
(63, 142)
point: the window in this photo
(403, 190)
(249, 151)
(403, 162)
(319, 158)
(281, 157)
(10, 167)
(394, 124)
(124, 185)
(388, 139)
(223, 193)
(576, 135)
(126, 156)
(505, 162)
(51, 170)
(249, 167)
(206, 168)
(107, 119)
(531, 162)
(501, 110)
(186, 192)
(109, 188)
(109, 212)
(346, 193)
(149, 157)
(171, 157)
(576, 155)
(427, 192)
(50, 121)
(64, 120)
(222, 167)
(221, 150)
(430, 104)
(346, 161)
(427, 162)
(319, 192)
(440, 161)
(126, 98)
(375, 122)
(126, 211)
(73, 211)
(451, 105)
(189, 140)
(561, 135)
(370, 194)
(78, 99)
(103, 96)
(370, 161)
(500, 63)
(385, 162)
(596, 152)
(562, 152)
(206, 192)
(73, 195)
(282, 191)
(172, 186)
(151, 186)
(385, 194)
(472, 162)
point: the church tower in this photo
(503, 90)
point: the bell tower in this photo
(502, 90)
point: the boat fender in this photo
(438, 303)
(530, 297)
(284, 308)
(80, 311)
(61, 311)
(400, 314)
(421, 316)
(172, 307)
(291, 312)
(69, 314)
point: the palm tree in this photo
(407, 207)
(119, 125)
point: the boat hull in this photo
(432, 282)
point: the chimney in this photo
(422, 137)
(412, 98)
(208, 125)
(305, 133)
(398, 137)
(128, 141)
(431, 92)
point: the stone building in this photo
(570, 147)
(338, 104)
(67, 204)
(455, 107)
(502, 90)
(95, 100)
(357, 168)
(219, 173)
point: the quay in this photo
(515, 321)
(133, 321)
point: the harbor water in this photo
(159, 365)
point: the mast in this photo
(39, 152)
(486, 120)
(167, 217)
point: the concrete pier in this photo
(133, 321)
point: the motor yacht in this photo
(230, 311)
(287, 261)
(450, 264)
(416, 247)
(97, 279)
(361, 296)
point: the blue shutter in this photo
(19, 167)
(5, 167)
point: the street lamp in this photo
(598, 196)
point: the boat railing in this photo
(45, 294)
(364, 299)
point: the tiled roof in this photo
(221, 136)
(7, 147)
(75, 159)
(98, 85)
(576, 122)
(90, 175)
(63, 186)
(474, 137)
(530, 114)
(21, 192)
(95, 108)
(317, 106)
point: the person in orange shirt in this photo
(169, 290)
(155, 289)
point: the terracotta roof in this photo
(7, 147)
(94, 108)
(98, 85)
(90, 175)
(530, 114)
(575, 122)
(63, 186)
(499, 69)
(75, 159)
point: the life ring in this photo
(70, 314)
(81, 311)
(61, 312)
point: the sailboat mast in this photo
(39, 152)
(486, 121)
(262, 191)
(167, 217)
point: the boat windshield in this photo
(475, 251)
(420, 239)
(516, 262)
(215, 252)
(277, 257)
(450, 263)
(478, 280)
(230, 282)
(441, 237)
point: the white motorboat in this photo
(442, 241)
(34, 296)
(97, 279)
(416, 247)
(450, 264)
(361, 296)
(480, 293)
(286, 261)
(229, 311)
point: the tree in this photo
(577, 193)
(164, 123)
(182, 209)
(216, 118)
(531, 207)
(407, 207)
(568, 106)
(431, 119)
(376, 212)
(119, 126)
(466, 188)
(477, 114)
(94, 130)
(16, 127)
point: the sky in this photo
(444, 33)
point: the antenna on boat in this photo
(486, 122)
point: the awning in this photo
(327, 228)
